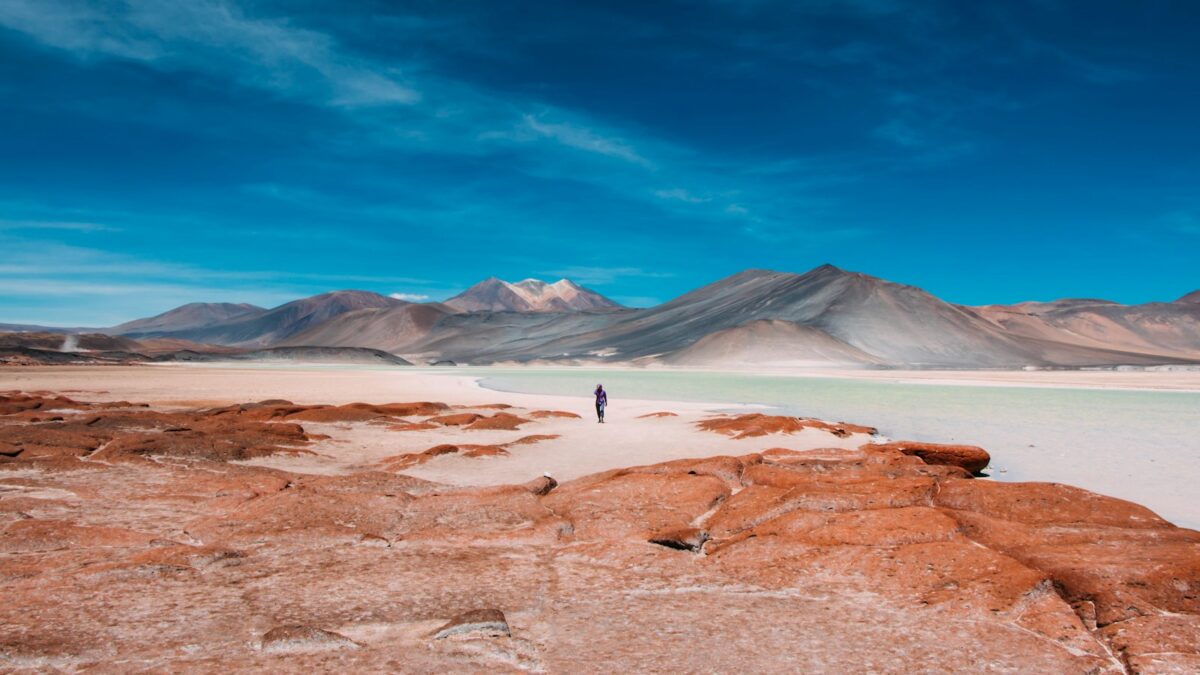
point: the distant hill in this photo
(257, 327)
(335, 355)
(530, 295)
(185, 317)
(1192, 298)
(1163, 328)
(74, 342)
(35, 328)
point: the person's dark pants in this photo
(600, 412)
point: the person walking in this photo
(601, 402)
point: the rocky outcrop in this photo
(482, 621)
(973, 459)
(758, 424)
(304, 638)
(848, 560)
(406, 460)
(545, 414)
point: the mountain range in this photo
(824, 317)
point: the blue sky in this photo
(154, 153)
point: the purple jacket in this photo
(601, 397)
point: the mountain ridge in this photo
(825, 315)
(529, 295)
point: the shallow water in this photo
(1143, 446)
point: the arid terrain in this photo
(187, 519)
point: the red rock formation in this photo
(758, 424)
(969, 457)
(504, 421)
(400, 462)
(657, 414)
(864, 560)
(543, 414)
(454, 419)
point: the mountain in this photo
(530, 295)
(268, 327)
(193, 315)
(893, 323)
(391, 329)
(826, 316)
(770, 342)
(1159, 328)
(880, 321)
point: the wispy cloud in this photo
(583, 138)
(681, 195)
(601, 276)
(410, 297)
(259, 52)
(64, 225)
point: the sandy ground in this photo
(583, 446)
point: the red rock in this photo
(455, 419)
(864, 560)
(500, 420)
(542, 485)
(682, 539)
(413, 426)
(633, 506)
(758, 424)
(30, 535)
(1157, 644)
(657, 414)
(530, 440)
(400, 462)
(304, 638)
(543, 414)
(489, 622)
(969, 457)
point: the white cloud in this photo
(410, 297)
(54, 225)
(211, 35)
(600, 276)
(679, 194)
(583, 138)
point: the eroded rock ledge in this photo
(127, 536)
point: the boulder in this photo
(969, 457)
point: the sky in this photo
(154, 153)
